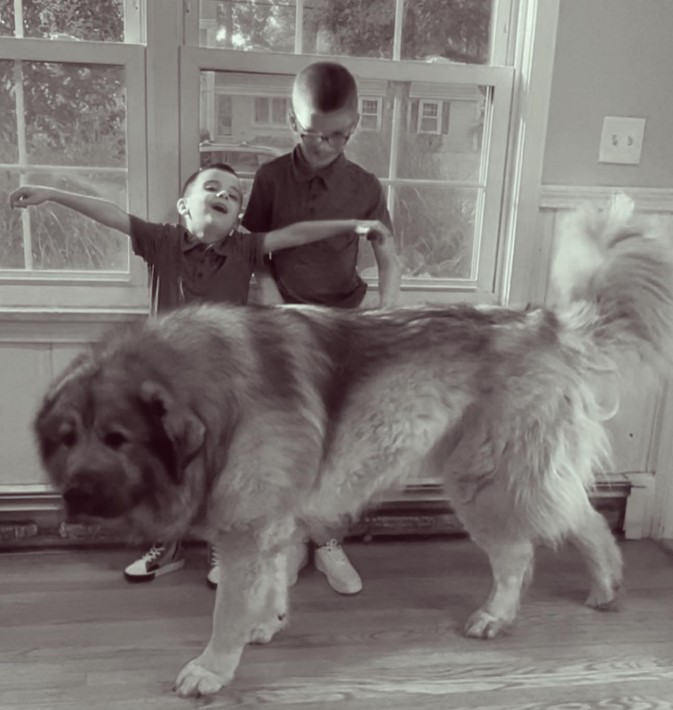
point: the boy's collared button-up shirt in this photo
(183, 269)
(287, 190)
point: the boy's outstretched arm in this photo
(295, 235)
(102, 211)
(390, 271)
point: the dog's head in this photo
(115, 440)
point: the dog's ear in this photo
(182, 427)
(72, 378)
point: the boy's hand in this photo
(28, 195)
(373, 229)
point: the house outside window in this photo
(430, 117)
(370, 113)
(271, 111)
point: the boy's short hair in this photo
(214, 166)
(326, 86)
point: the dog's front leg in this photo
(241, 593)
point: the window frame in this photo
(88, 288)
(481, 286)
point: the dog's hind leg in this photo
(592, 537)
(511, 565)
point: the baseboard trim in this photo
(32, 517)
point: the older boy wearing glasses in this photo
(317, 181)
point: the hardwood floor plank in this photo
(76, 636)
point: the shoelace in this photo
(213, 557)
(154, 553)
(335, 551)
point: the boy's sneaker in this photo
(331, 560)
(213, 576)
(159, 559)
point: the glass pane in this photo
(66, 19)
(350, 28)
(451, 30)
(442, 131)
(74, 114)
(435, 230)
(62, 125)
(9, 151)
(60, 238)
(243, 119)
(251, 126)
(248, 25)
(11, 241)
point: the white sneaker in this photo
(332, 561)
(158, 560)
(297, 559)
(213, 576)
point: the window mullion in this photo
(134, 21)
(299, 27)
(502, 21)
(22, 159)
(397, 36)
(395, 138)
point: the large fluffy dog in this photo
(237, 423)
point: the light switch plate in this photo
(621, 140)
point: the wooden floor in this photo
(74, 635)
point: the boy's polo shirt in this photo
(185, 270)
(287, 190)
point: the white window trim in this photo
(480, 286)
(533, 59)
(124, 288)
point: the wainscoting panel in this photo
(633, 430)
(35, 345)
(24, 370)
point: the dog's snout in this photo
(87, 495)
(78, 499)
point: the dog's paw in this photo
(264, 632)
(604, 599)
(484, 625)
(195, 680)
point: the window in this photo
(418, 64)
(370, 114)
(67, 108)
(425, 30)
(74, 107)
(271, 111)
(429, 117)
(224, 115)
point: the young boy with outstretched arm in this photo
(317, 181)
(204, 258)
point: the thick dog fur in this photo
(239, 423)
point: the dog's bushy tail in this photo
(613, 276)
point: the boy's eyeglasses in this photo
(335, 140)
